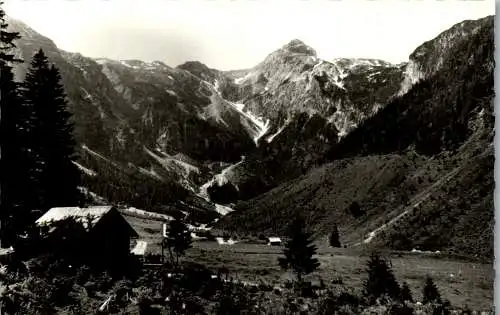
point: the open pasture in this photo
(461, 282)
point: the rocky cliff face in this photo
(429, 57)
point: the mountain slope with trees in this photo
(421, 168)
(294, 133)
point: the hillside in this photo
(424, 161)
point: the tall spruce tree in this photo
(299, 250)
(52, 135)
(7, 39)
(406, 293)
(334, 238)
(430, 292)
(381, 280)
(14, 173)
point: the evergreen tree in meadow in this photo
(178, 240)
(381, 280)
(299, 250)
(334, 239)
(406, 293)
(52, 135)
(430, 292)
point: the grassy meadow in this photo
(461, 282)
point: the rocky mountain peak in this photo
(193, 65)
(200, 70)
(299, 47)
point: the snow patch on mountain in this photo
(222, 210)
(95, 198)
(181, 168)
(85, 170)
(242, 79)
(99, 155)
(263, 130)
(332, 71)
(151, 172)
(171, 163)
(263, 126)
(274, 135)
(146, 214)
(218, 179)
(214, 110)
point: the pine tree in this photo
(406, 293)
(14, 176)
(7, 39)
(430, 292)
(381, 280)
(52, 134)
(334, 239)
(11, 153)
(178, 240)
(299, 250)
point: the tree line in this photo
(36, 141)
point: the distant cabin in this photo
(109, 234)
(273, 241)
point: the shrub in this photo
(331, 303)
(233, 300)
(265, 287)
(400, 309)
(327, 304)
(144, 304)
(304, 289)
(355, 210)
(337, 280)
(346, 298)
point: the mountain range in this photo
(394, 155)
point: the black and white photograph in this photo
(247, 157)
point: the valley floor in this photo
(461, 282)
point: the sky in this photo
(238, 34)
